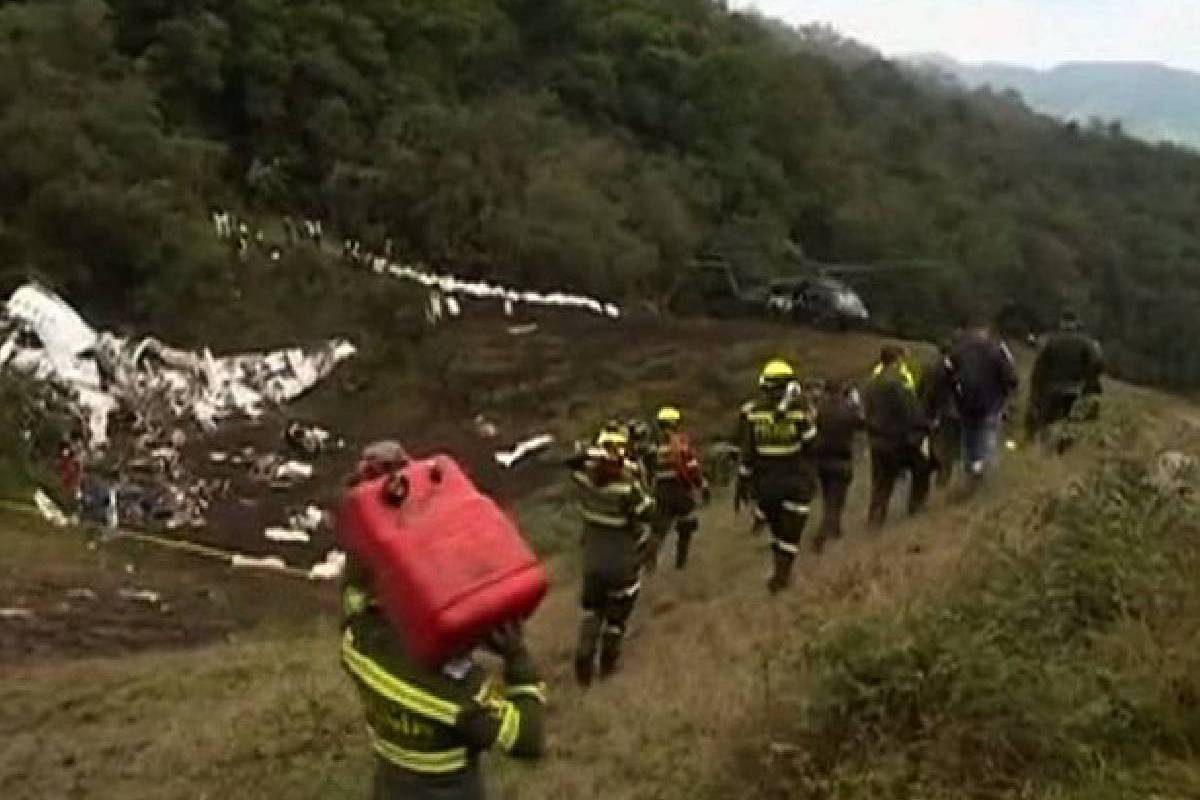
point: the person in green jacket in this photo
(898, 434)
(616, 511)
(428, 727)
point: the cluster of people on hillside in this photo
(636, 484)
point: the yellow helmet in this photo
(612, 440)
(776, 373)
(669, 415)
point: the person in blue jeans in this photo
(985, 378)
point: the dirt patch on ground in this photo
(64, 596)
(564, 378)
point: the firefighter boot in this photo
(781, 578)
(685, 529)
(610, 650)
(585, 651)
(682, 546)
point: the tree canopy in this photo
(595, 145)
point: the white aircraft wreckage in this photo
(45, 339)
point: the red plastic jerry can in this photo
(448, 566)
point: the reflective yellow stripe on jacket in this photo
(906, 375)
(440, 762)
(394, 689)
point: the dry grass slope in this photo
(715, 699)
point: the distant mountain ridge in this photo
(1153, 101)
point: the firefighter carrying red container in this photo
(431, 708)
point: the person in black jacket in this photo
(939, 399)
(899, 437)
(1067, 369)
(986, 377)
(839, 419)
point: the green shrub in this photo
(1007, 689)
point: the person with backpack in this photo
(839, 419)
(429, 726)
(676, 479)
(1067, 370)
(775, 436)
(616, 512)
(985, 377)
(939, 397)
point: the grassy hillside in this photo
(1030, 643)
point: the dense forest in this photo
(588, 144)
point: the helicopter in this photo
(809, 293)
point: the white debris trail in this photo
(481, 290)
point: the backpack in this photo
(684, 461)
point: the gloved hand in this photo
(507, 641)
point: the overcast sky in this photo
(1037, 33)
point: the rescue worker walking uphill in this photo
(839, 419)
(429, 726)
(985, 378)
(676, 477)
(616, 512)
(1068, 369)
(775, 434)
(899, 437)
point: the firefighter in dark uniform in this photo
(938, 393)
(1067, 370)
(775, 434)
(616, 511)
(676, 476)
(898, 434)
(839, 419)
(428, 727)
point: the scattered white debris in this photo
(208, 389)
(50, 510)
(330, 569)
(1173, 472)
(523, 330)
(218, 457)
(310, 440)
(15, 613)
(481, 290)
(486, 428)
(293, 471)
(144, 595)
(253, 562)
(309, 520)
(82, 594)
(524, 450)
(287, 535)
